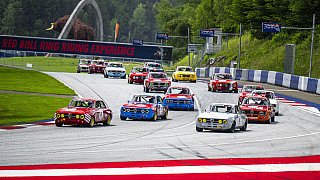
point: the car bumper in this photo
(71, 121)
(257, 118)
(116, 74)
(213, 126)
(158, 88)
(185, 79)
(139, 80)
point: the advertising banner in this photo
(66, 46)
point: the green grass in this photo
(20, 108)
(14, 79)
(48, 64)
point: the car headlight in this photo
(82, 116)
(261, 113)
(220, 121)
(225, 121)
(199, 120)
(77, 116)
(204, 120)
(124, 109)
(58, 115)
(62, 115)
(146, 111)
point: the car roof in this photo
(256, 97)
(224, 104)
(179, 87)
(85, 99)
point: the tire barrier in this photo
(302, 83)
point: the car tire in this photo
(59, 124)
(147, 89)
(213, 90)
(155, 116)
(194, 81)
(107, 122)
(199, 129)
(236, 91)
(123, 118)
(277, 114)
(165, 116)
(123, 77)
(273, 118)
(78, 71)
(268, 121)
(209, 89)
(233, 127)
(91, 123)
(244, 127)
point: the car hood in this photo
(178, 96)
(74, 110)
(216, 115)
(138, 74)
(159, 80)
(137, 105)
(83, 65)
(254, 107)
(114, 68)
(184, 72)
(245, 93)
(223, 81)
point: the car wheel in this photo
(277, 113)
(155, 116)
(165, 116)
(106, 75)
(199, 129)
(59, 124)
(123, 118)
(209, 89)
(194, 81)
(213, 90)
(235, 91)
(233, 127)
(273, 118)
(123, 77)
(144, 89)
(244, 127)
(78, 71)
(107, 122)
(147, 89)
(91, 123)
(268, 121)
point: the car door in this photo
(99, 112)
(161, 108)
(242, 117)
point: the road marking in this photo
(298, 167)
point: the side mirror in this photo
(192, 95)
(128, 101)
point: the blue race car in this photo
(144, 107)
(179, 98)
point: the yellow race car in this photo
(184, 73)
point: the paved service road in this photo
(295, 132)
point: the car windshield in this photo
(178, 90)
(222, 108)
(158, 75)
(115, 65)
(81, 103)
(156, 65)
(97, 62)
(139, 69)
(222, 76)
(256, 101)
(184, 69)
(252, 88)
(270, 95)
(143, 99)
(84, 61)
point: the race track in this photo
(295, 132)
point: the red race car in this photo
(84, 111)
(137, 75)
(96, 66)
(156, 81)
(247, 90)
(258, 108)
(222, 82)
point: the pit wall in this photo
(302, 83)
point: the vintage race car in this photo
(83, 65)
(144, 107)
(115, 69)
(222, 116)
(184, 73)
(96, 66)
(156, 81)
(179, 98)
(258, 108)
(154, 67)
(222, 82)
(137, 75)
(247, 90)
(84, 111)
(270, 95)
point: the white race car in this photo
(270, 95)
(222, 116)
(115, 69)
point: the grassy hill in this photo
(269, 54)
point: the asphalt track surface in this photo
(294, 133)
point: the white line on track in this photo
(164, 170)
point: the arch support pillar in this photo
(66, 29)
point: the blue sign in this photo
(67, 46)
(137, 42)
(206, 33)
(164, 36)
(271, 27)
